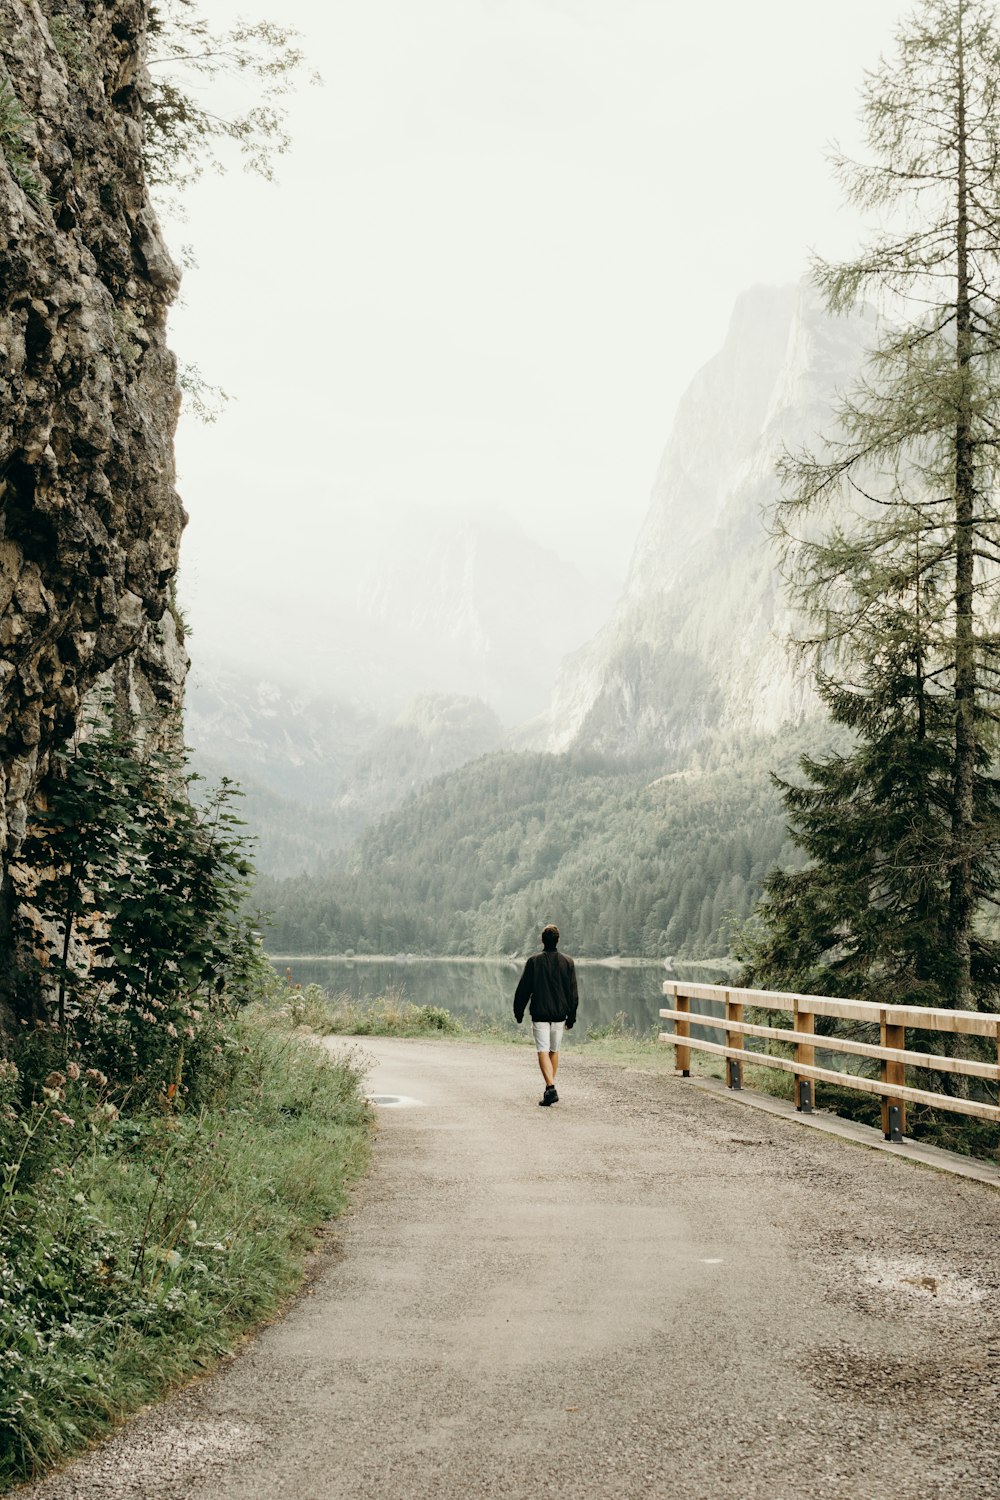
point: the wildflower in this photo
(170, 1029)
(64, 1119)
(189, 1031)
(58, 1172)
(54, 1096)
(96, 1076)
(72, 1071)
(55, 1080)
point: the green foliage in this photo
(183, 133)
(616, 1029)
(205, 400)
(72, 42)
(15, 128)
(868, 916)
(900, 581)
(134, 1248)
(624, 861)
(141, 894)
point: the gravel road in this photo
(643, 1291)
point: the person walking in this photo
(548, 984)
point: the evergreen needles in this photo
(901, 586)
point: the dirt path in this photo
(644, 1291)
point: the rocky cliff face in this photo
(697, 642)
(89, 518)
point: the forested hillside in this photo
(626, 860)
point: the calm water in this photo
(471, 989)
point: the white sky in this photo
(508, 233)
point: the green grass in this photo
(14, 139)
(316, 1010)
(134, 1250)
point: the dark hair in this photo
(550, 936)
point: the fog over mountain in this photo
(424, 602)
(315, 772)
(446, 642)
(698, 641)
(465, 607)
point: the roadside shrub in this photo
(131, 898)
(390, 1014)
(133, 1247)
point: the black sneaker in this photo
(550, 1096)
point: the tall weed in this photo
(389, 1014)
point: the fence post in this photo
(682, 1055)
(806, 1055)
(734, 1066)
(893, 1073)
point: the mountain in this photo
(316, 772)
(294, 743)
(436, 733)
(419, 602)
(697, 642)
(624, 862)
(461, 606)
(692, 656)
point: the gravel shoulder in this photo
(645, 1289)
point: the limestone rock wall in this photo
(90, 521)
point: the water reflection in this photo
(471, 989)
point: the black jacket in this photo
(549, 982)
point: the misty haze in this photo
(499, 749)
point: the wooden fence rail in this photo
(891, 1052)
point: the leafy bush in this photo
(134, 1247)
(131, 898)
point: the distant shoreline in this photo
(506, 960)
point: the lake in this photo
(474, 988)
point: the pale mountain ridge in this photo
(296, 743)
(317, 771)
(697, 643)
(416, 600)
(477, 609)
(695, 646)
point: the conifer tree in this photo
(892, 545)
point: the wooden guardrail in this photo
(891, 1052)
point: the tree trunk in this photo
(961, 905)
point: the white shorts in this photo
(548, 1035)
